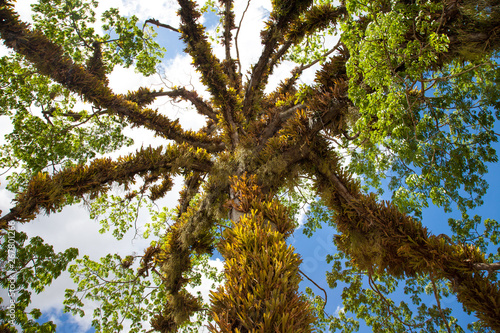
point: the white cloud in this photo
(23, 8)
(164, 11)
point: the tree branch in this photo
(277, 26)
(375, 288)
(490, 267)
(286, 26)
(212, 73)
(436, 296)
(229, 64)
(158, 24)
(228, 23)
(50, 60)
(203, 107)
(317, 286)
(276, 123)
(50, 192)
(236, 38)
(394, 243)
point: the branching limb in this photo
(50, 192)
(278, 25)
(161, 25)
(202, 106)
(317, 286)
(287, 85)
(212, 73)
(50, 60)
(236, 39)
(316, 18)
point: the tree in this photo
(372, 97)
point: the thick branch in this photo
(316, 18)
(277, 121)
(490, 267)
(190, 233)
(280, 18)
(50, 193)
(50, 60)
(211, 70)
(228, 23)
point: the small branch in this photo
(161, 25)
(348, 137)
(444, 78)
(326, 54)
(324, 291)
(482, 266)
(199, 103)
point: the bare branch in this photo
(279, 21)
(161, 25)
(375, 288)
(212, 73)
(201, 105)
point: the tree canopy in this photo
(405, 99)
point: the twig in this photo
(158, 24)
(326, 54)
(324, 291)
